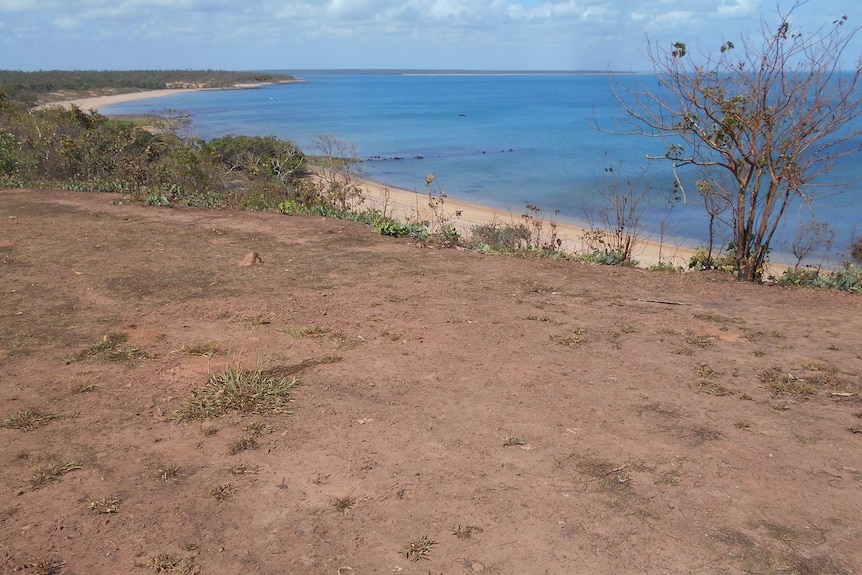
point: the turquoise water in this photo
(498, 140)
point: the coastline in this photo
(96, 102)
(404, 205)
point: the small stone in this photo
(477, 567)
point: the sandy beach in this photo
(407, 205)
(99, 102)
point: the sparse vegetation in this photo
(223, 491)
(112, 347)
(779, 383)
(701, 341)
(243, 469)
(243, 444)
(51, 472)
(719, 112)
(848, 278)
(205, 349)
(496, 237)
(258, 429)
(29, 419)
(418, 548)
(106, 505)
(511, 441)
(44, 567)
(615, 220)
(167, 563)
(344, 504)
(240, 390)
(571, 339)
(169, 473)
(465, 531)
(310, 331)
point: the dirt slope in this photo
(560, 418)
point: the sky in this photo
(381, 34)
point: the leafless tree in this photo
(764, 121)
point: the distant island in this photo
(47, 86)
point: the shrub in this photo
(499, 238)
(848, 278)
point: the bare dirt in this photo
(525, 415)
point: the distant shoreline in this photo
(97, 102)
(404, 204)
(104, 100)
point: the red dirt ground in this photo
(569, 418)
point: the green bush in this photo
(848, 278)
(499, 238)
(701, 261)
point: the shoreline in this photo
(96, 102)
(406, 205)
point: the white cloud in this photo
(737, 7)
(556, 33)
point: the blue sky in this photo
(417, 34)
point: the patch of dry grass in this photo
(418, 548)
(242, 391)
(106, 505)
(51, 472)
(779, 383)
(29, 419)
(112, 347)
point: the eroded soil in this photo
(525, 415)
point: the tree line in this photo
(38, 86)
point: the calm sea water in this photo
(498, 140)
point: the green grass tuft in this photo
(241, 391)
(29, 419)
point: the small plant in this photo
(207, 349)
(667, 267)
(223, 491)
(240, 390)
(50, 473)
(243, 469)
(169, 473)
(29, 419)
(344, 504)
(419, 548)
(106, 505)
(241, 445)
(166, 563)
(112, 348)
(45, 567)
(511, 441)
(541, 242)
(703, 371)
(499, 238)
(310, 331)
(782, 384)
(257, 429)
(82, 387)
(465, 532)
(701, 260)
(848, 278)
(157, 198)
(572, 341)
(701, 341)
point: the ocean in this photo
(502, 140)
